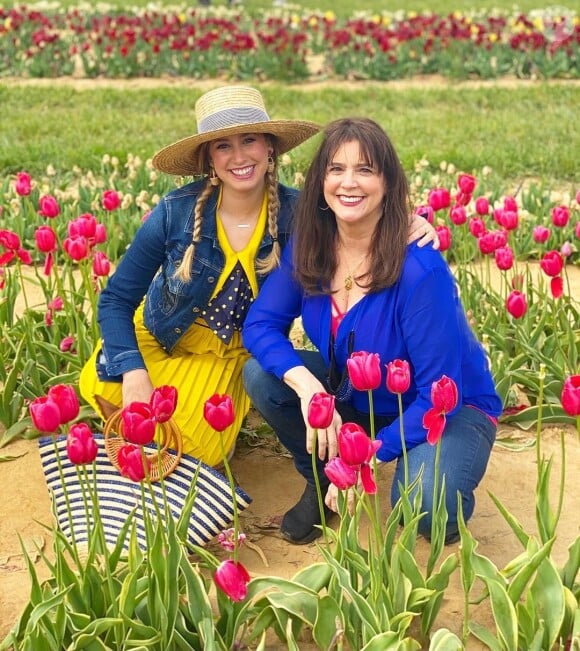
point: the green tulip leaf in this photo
(329, 625)
(504, 614)
(445, 640)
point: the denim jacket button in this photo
(178, 331)
(211, 279)
(195, 309)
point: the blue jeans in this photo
(465, 446)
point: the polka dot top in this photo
(237, 285)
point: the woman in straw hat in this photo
(173, 310)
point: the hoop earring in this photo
(324, 208)
(271, 165)
(214, 179)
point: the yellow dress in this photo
(199, 366)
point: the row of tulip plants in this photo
(367, 593)
(206, 43)
(61, 235)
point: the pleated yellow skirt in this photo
(199, 366)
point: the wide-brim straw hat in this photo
(228, 111)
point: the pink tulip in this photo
(23, 185)
(541, 234)
(84, 225)
(138, 423)
(232, 578)
(509, 220)
(560, 216)
(426, 212)
(101, 264)
(218, 411)
(458, 215)
(477, 227)
(516, 304)
(463, 198)
(487, 243)
(364, 370)
(552, 263)
(354, 446)
(48, 206)
(45, 414)
(56, 304)
(577, 231)
(571, 395)
(163, 403)
(504, 258)
(439, 198)
(444, 397)
(482, 206)
(320, 410)
(81, 446)
(340, 473)
(76, 247)
(367, 479)
(445, 238)
(578, 197)
(66, 345)
(566, 249)
(557, 286)
(444, 394)
(45, 239)
(466, 183)
(9, 240)
(111, 200)
(510, 203)
(64, 395)
(132, 463)
(398, 376)
(100, 234)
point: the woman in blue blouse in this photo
(358, 286)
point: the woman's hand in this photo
(422, 231)
(137, 386)
(306, 385)
(331, 499)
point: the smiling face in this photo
(241, 161)
(353, 187)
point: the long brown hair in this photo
(314, 225)
(272, 260)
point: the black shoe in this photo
(301, 524)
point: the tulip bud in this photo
(131, 462)
(354, 446)
(571, 395)
(364, 370)
(340, 473)
(81, 446)
(320, 410)
(45, 415)
(504, 258)
(23, 185)
(557, 286)
(64, 395)
(138, 423)
(552, 263)
(445, 238)
(111, 200)
(232, 578)
(48, 207)
(482, 206)
(458, 215)
(398, 376)
(45, 239)
(516, 304)
(466, 183)
(439, 198)
(541, 234)
(218, 411)
(163, 403)
(560, 216)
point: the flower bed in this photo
(206, 43)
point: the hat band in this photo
(232, 117)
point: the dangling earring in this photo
(214, 179)
(325, 207)
(271, 164)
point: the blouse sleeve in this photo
(265, 331)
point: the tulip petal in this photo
(367, 479)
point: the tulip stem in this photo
(562, 479)
(317, 484)
(435, 505)
(403, 442)
(234, 500)
(375, 465)
(541, 375)
(66, 499)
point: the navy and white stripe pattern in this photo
(118, 496)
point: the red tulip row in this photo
(204, 44)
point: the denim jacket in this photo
(147, 269)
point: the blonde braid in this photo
(183, 272)
(272, 260)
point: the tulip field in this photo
(497, 179)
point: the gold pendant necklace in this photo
(349, 280)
